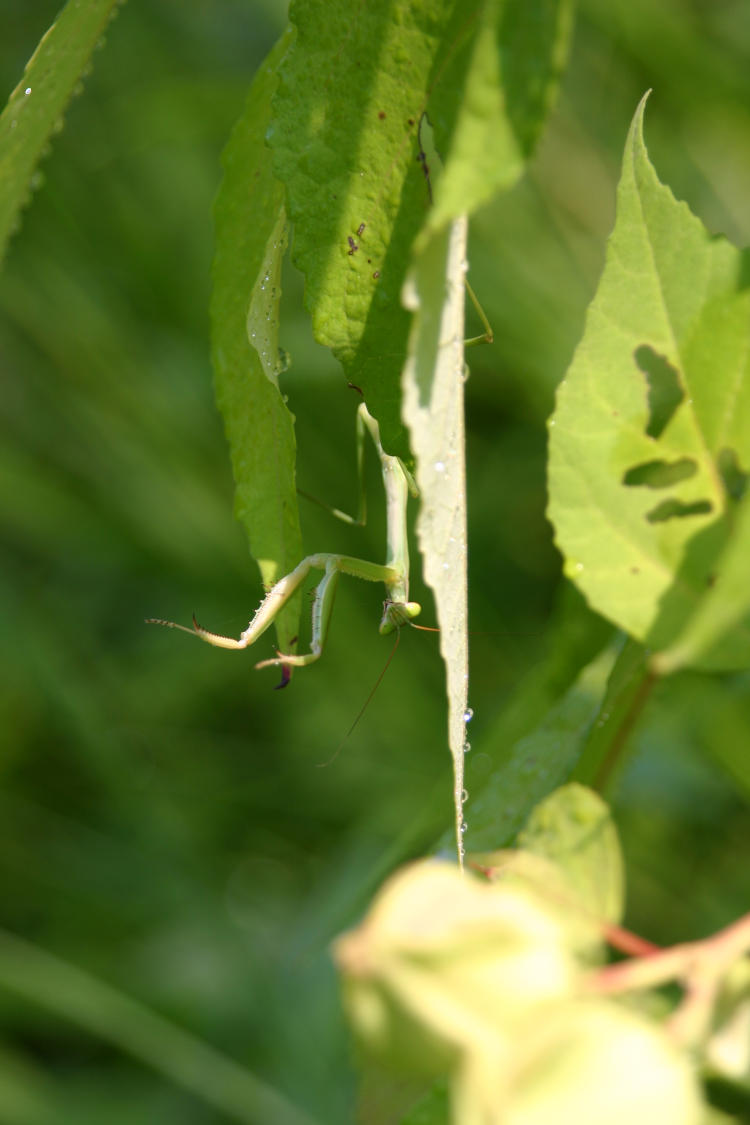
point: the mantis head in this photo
(396, 614)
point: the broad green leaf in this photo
(433, 410)
(346, 140)
(573, 827)
(35, 109)
(650, 440)
(250, 242)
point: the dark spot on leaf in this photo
(732, 476)
(376, 275)
(676, 509)
(381, 115)
(411, 121)
(635, 570)
(660, 474)
(361, 229)
(664, 391)
(353, 248)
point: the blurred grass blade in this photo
(36, 975)
(35, 109)
(250, 243)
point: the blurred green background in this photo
(163, 820)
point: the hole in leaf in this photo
(733, 478)
(676, 509)
(660, 474)
(664, 391)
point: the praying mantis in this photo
(398, 484)
(394, 573)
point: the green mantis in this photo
(394, 573)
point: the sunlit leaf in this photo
(650, 440)
(346, 141)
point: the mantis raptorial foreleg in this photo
(394, 574)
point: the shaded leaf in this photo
(35, 109)
(250, 242)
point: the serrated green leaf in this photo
(434, 413)
(346, 142)
(35, 109)
(573, 827)
(250, 242)
(650, 440)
